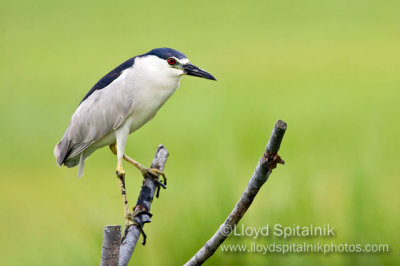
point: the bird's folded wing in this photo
(98, 115)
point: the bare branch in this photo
(264, 168)
(111, 242)
(143, 205)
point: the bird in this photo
(120, 103)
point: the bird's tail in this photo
(61, 150)
(81, 165)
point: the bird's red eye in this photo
(171, 61)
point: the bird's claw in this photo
(155, 173)
(130, 220)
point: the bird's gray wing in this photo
(97, 115)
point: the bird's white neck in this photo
(151, 83)
(156, 73)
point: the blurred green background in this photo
(330, 69)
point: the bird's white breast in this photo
(149, 83)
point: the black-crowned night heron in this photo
(120, 103)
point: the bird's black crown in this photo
(165, 53)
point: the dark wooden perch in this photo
(116, 253)
(264, 168)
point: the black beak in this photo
(193, 70)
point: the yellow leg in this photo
(130, 217)
(120, 170)
(154, 172)
(121, 177)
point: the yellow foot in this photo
(120, 172)
(154, 172)
(129, 220)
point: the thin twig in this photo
(264, 168)
(150, 185)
